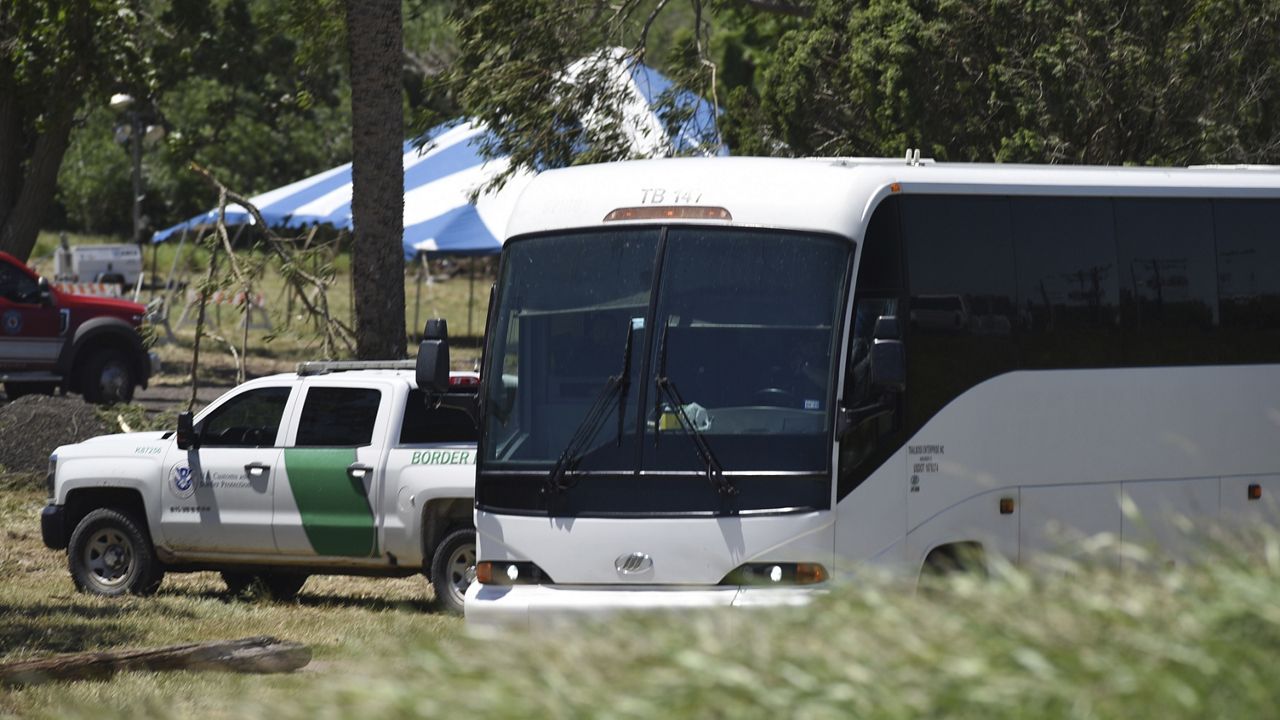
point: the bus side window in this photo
(1248, 249)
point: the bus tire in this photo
(953, 558)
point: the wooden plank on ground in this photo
(247, 655)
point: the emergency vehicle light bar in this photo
(321, 367)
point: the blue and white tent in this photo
(438, 214)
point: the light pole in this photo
(123, 103)
(136, 133)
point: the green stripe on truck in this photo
(335, 512)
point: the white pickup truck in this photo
(339, 469)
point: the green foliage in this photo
(94, 182)
(1087, 81)
(1030, 80)
(53, 52)
(53, 57)
(538, 74)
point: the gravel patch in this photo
(32, 426)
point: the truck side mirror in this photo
(45, 293)
(433, 358)
(186, 435)
(888, 361)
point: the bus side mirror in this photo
(186, 435)
(888, 360)
(433, 358)
(45, 293)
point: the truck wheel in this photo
(16, 390)
(453, 568)
(280, 586)
(110, 554)
(107, 377)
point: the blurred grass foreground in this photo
(1078, 641)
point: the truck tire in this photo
(280, 586)
(107, 376)
(453, 568)
(111, 554)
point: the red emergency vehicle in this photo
(50, 339)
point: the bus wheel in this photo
(964, 557)
(453, 568)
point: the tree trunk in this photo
(11, 144)
(18, 234)
(375, 43)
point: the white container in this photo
(99, 263)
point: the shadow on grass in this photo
(62, 628)
(312, 600)
(366, 603)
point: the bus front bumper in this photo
(536, 606)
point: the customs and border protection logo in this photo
(12, 322)
(181, 481)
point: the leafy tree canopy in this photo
(52, 56)
(1086, 81)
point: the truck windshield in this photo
(742, 324)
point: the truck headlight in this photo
(48, 479)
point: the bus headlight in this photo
(776, 574)
(510, 573)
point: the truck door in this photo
(30, 330)
(218, 495)
(325, 503)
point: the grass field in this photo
(42, 614)
(1190, 642)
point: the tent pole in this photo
(471, 293)
(417, 294)
(177, 255)
(155, 255)
(351, 278)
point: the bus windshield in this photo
(593, 332)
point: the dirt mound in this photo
(32, 426)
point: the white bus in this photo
(725, 382)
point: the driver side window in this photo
(251, 419)
(16, 286)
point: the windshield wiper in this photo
(615, 386)
(715, 471)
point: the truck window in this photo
(16, 286)
(338, 417)
(251, 419)
(434, 425)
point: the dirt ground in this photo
(32, 426)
